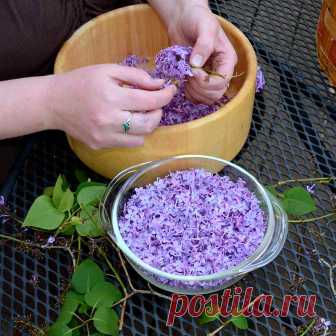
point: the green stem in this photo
(311, 219)
(78, 327)
(210, 72)
(79, 241)
(103, 254)
(317, 180)
(310, 326)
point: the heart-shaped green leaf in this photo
(86, 275)
(90, 224)
(106, 321)
(298, 202)
(85, 184)
(103, 294)
(69, 307)
(240, 322)
(58, 191)
(91, 195)
(43, 215)
(67, 201)
(59, 329)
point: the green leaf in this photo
(67, 230)
(59, 329)
(73, 324)
(43, 215)
(90, 224)
(89, 184)
(240, 322)
(83, 308)
(298, 202)
(48, 191)
(97, 334)
(67, 201)
(86, 275)
(58, 191)
(106, 321)
(81, 175)
(103, 294)
(69, 307)
(90, 195)
(205, 318)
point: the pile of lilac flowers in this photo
(193, 222)
(172, 64)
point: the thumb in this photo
(137, 77)
(203, 47)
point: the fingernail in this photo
(159, 81)
(197, 60)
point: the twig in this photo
(122, 315)
(125, 269)
(215, 332)
(331, 278)
(309, 327)
(79, 241)
(42, 247)
(317, 179)
(311, 219)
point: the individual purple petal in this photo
(2, 200)
(261, 82)
(134, 61)
(311, 188)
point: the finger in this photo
(136, 77)
(212, 82)
(198, 97)
(204, 45)
(143, 123)
(226, 59)
(214, 95)
(141, 100)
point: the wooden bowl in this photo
(138, 30)
(326, 39)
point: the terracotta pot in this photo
(326, 39)
(138, 30)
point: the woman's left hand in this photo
(196, 25)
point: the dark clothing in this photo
(33, 31)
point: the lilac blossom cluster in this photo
(173, 63)
(193, 222)
(134, 61)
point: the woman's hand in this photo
(194, 24)
(92, 103)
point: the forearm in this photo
(168, 8)
(24, 106)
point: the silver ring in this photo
(126, 126)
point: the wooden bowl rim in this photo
(248, 85)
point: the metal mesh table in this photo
(293, 135)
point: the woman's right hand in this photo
(92, 103)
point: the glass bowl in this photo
(122, 185)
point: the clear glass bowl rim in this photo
(234, 271)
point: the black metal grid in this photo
(293, 136)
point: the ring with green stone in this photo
(126, 125)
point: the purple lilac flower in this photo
(261, 82)
(311, 188)
(2, 200)
(322, 325)
(134, 61)
(51, 240)
(193, 222)
(181, 110)
(173, 63)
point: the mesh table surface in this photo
(293, 135)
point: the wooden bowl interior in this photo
(132, 30)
